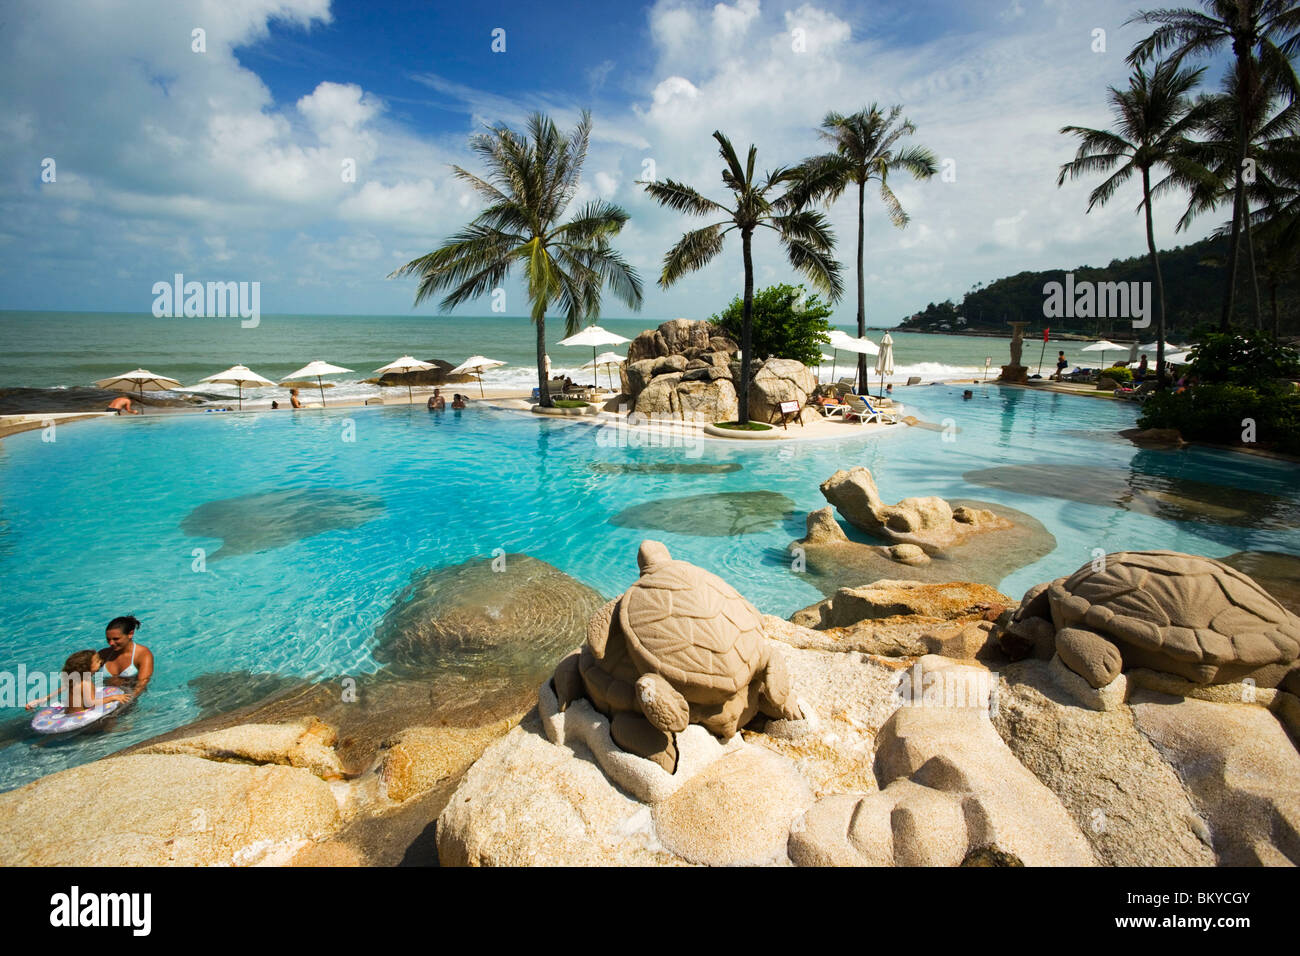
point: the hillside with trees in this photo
(1193, 275)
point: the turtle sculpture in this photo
(680, 646)
(1163, 610)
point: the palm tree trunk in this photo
(1272, 294)
(544, 393)
(1160, 282)
(1244, 93)
(746, 328)
(862, 295)
(1254, 276)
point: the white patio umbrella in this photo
(1178, 358)
(476, 364)
(1103, 347)
(594, 336)
(240, 375)
(138, 381)
(399, 366)
(885, 360)
(605, 360)
(315, 370)
(842, 341)
(1169, 347)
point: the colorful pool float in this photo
(56, 720)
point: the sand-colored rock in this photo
(424, 756)
(167, 810)
(737, 812)
(1241, 768)
(886, 599)
(528, 802)
(832, 561)
(955, 753)
(307, 743)
(1125, 799)
(928, 522)
(776, 381)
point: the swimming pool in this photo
(117, 517)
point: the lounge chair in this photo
(862, 410)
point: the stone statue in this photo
(680, 647)
(1017, 341)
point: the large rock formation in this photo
(438, 375)
(930, 523)
(683, 371)
(777, 381)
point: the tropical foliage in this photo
(771, 202)
(529, 184)
(867, 147)
(787, 323)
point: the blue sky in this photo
(225, 164)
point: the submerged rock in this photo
(262, 522)
(663, 468)
(720, 515)
(512, 617)
(1276, 572)
(1163, 496)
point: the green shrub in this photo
(745, 426)
(1217, 412)
(568, 403)
(788, 323)
(1243, 357)
(1120, 374)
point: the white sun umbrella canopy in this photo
(239, 375)
(476, 365)
(400, 366)
(842, 341)
(885, 360)
(606, 360)
(139, 380)
(594, 336)
(315, 370)
(1103, 347)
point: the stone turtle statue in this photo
(1172, 612)
(680, 646)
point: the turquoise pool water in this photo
(102, 522)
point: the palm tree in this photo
(1259, 33)
(804, 233)
(1154, 116)
(866, 149)
(1271, 149)
(530, 182)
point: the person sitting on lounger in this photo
(1140, 373)
(122, 405)
(1061, 365)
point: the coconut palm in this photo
(529, 184)
(1260, 34)
(866, 148)
(1271, 151)
(770, 204)
(1154, 117)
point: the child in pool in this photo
(77, 679)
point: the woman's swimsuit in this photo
(130, 670)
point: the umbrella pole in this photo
(322, 391)
(241, 396)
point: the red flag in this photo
(1045, 331)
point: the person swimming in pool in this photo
(129, 665)
(77, 690)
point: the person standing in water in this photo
(129, 665)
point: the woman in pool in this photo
(129, 665)
(77, 677)
(458, 401)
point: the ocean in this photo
(62, 350)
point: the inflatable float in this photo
(56, 720)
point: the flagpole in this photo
(1042, 352)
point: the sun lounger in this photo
(861, 409)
